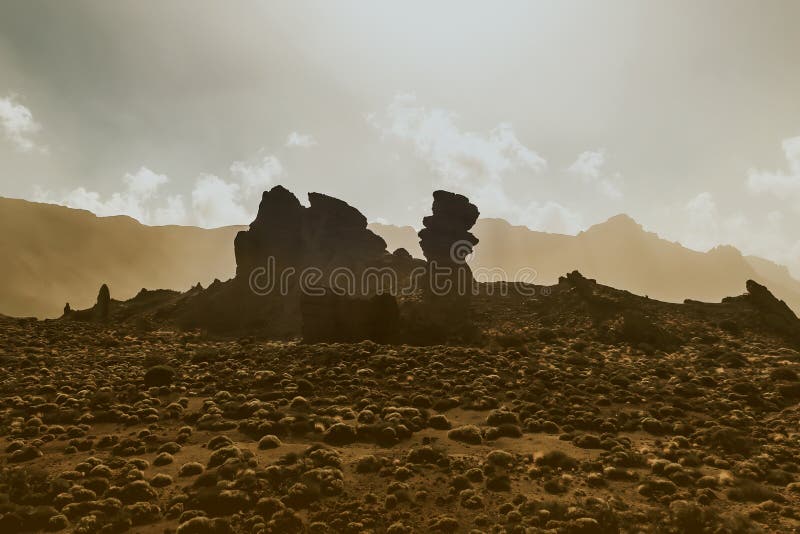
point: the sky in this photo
(555, 115)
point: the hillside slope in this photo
(618, 253)
(53, 254)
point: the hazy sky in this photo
(555, 115)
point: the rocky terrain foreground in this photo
(561, 417)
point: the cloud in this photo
(173, 212)
(139, 200)
(144, 183)
(701, 224)
(703, 221)
(548, 216)
(779, 183)
(475, 164)
(214, 200)
(217, 203)
(589, 166)
(459, 158)
(553, 217)
(256, 176)
(298, 140)
(18, 124)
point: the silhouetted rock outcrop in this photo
(774, 313)
(584, 286)
(446, 241)
(328, 234)
(275, 233)
(774, 308)
(100, 312)
(336, 318)
(335, 235)
(286, 240)
(103, 305)
(289, 249)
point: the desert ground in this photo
(109, 428)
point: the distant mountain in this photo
(618, 253)
(52, 255)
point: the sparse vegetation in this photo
(232, 440)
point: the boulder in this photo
(327, 235)
(445, 238)
(103, 305)
(775, 314)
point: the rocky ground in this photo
(553, 421)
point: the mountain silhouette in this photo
(54, 254)
(618, 253)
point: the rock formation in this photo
(103, 305)
(328, 234)
(100, 312)
(446, 241)
(275, 233)
(335, 318)
(763, 299)
(584, 286)
(335, 235)
(284, 243)
(774, 313)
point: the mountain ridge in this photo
(56, 254)
(619, 253)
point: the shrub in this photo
(368, 464)
(269, 442)
(750, 491)
(728, 439)
(190, 469)
(467, 434)
(160, 480)
(340, 434)
(439, 422)
(557, 459)
(159, 375)
(499, 417)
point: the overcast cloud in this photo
(555, 115)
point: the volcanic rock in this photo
(290, 251)
(330, 317)
(275, 233)
(335, 235)
(445, 239)
(447, 243)
(103, 305)
(328, 234)
(774, 312)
